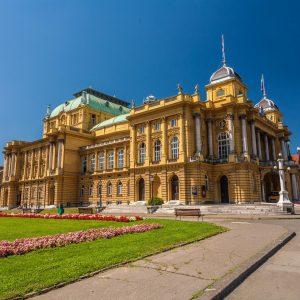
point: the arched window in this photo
(109, 189)
(111, 159)
(101, 160)
(92, 163)
(142, 153)
(82, 191)
(174, 147)
(157, 150)
(119, 188)
(206, 183)
(91, 190)
(223, 144)
(121, 158)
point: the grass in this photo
(43, 268)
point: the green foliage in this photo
(21, 274)
(155, 201)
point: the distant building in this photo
(95, 149)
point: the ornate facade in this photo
(95, 149)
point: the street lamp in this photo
(151, 180)
(284, 202)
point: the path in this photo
(179, 273)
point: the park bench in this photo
(188, 212)
(85, 210)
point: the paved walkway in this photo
(179, 273)
(279, 277)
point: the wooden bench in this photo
(188, 212)
(85, 210)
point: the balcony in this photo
(215, 161)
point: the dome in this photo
(150, 99)
(266, 104)
(224, 73)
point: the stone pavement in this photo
(179, 273)
(279, 277)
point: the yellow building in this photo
(95, 150)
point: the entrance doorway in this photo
(175, 188)
(271, 187)
(51, 195)
(142, 190)
(224, 189)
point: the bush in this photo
(155, 201)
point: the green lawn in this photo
(42, 268)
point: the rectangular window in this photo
(82, 191)
(92, 163)
(84, 164)
(101, 161)
(156, 126)
(142, 130)
(173, 122)
(111, 160)
(91, 190)
(93, 120)
(121, 158)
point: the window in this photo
(92, 163)
(223, 143)
(84, 164)
(40, 193)
(119, 188)
(142, 152)
(99, 189)
(128, 188)
(101, 160)
(174, 147)
(220, 93)
(109, 189)
(206, 183)
(157, 150)
(121, 158)
(156, 126)
(93, 119)
(173, 122)
(111, 159)
(82, 191)
(91, 190)
(142, 129)
(33, 193)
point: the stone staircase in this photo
(227, 209)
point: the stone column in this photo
(273, 149)
(210, 138)
(244, 133)
(25, 166)
(164, 142)
(295, 186)
(12, 164)
(263, 192)
(59, 154)
(231, 132)
(253, 138)
(283, 149)
(259, 145)
(267, 147)
(5, 172)
(181, 124)
(198, 133)
(133, 153)
(50, 156)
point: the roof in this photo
(94, 102)
(223, 74)
(112, 121)
(266, 105)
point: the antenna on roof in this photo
(223, 51)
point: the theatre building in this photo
(95, 149)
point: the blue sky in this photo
(51, 49)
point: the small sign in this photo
(194, 190)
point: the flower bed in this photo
(74, 217)
(22, 246)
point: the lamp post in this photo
(151, 181)
(284, 202)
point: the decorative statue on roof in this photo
(48, 112)
(197, 89)
(179, 88)
(83, 97)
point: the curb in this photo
(231, 281)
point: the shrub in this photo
(155, 201)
